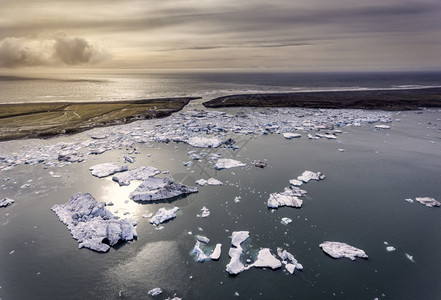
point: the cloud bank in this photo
(49, 50)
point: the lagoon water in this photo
(361, 202)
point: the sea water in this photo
(361, 202)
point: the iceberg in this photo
(337, 250)
(226, 163)
(92, 225)
(154, 189)
(281, 199)
(142, 173)
(308, 175)
(6, 202)
(163, 215)
(265, 260)
(236, 266)
(106, 169)
(428, 201)
(202, 142)
(290, 135)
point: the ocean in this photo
(370, 173)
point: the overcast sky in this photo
(291, 34)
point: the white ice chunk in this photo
(155, 292)
(308, 175)
(106, 169)
(200, 255)
(236, 266)
(286, 221)
(295, 182)
(92, 225)
(142, 173)
(213, 181)
(201, 182)
(202, 142)
(154, 189)
(266, 260)
(289, 260)
(290, 135)
(281, 199)
(382, 126)
(163, 215)
(409, 200)
(226, 163)
(205, 212)
(216, 252)
(6, 202)
(428, 201)
(202, 239)
(338, 249)
(409, 257)
(390, 248)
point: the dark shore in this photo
(30, 120)
(391, 100)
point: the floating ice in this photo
(71, 157)
(106, 169)
(409, 257)
(326, 136)
(155, 292)
(211, 181)
(259, 163)
(92, 225)
(154, 189)
(289, 261)
(290, 135)
(286, 221)
(390, 248)
(409, 200)
(236, 266)
(382, 126)
(202, 142)
(6, 202)
(308, 175)
(337, 250)
(226, 163)
(295, 182)
(202, 256)
(265, 260)
(205, 212)
(129, 159)
(216, 252)
(202, 239)
(280, 199)
(163, 215)
(142, 173)
(428, 201)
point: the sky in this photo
(216, 34)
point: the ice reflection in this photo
(117, 195)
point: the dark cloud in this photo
(58, 49)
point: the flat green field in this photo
(47, 119)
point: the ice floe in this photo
(265, 260)
(155, 292)
(202, 142)
(259, 163)
(280, 199)
(163, 215)
(92, 225)
(205, 213)
(142, 173)
(211, 181)
(308, 175)
(227, 163)
(106, 169)
(291, 264)
(285, 221)
(236, 266)
(202, 239)
(201, 254)
(390, 248)
(6, 202)
(154, 189)
(338, 250)
(290, 135)
(428, 201)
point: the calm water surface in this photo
(361, 202)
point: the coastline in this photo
(33, 120)
(389, 100)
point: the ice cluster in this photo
(6, 202)
(92, 225)
(198, 128)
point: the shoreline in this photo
(389, 100)
(39, 120)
